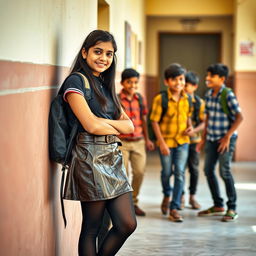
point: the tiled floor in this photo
(200, 236)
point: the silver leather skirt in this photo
(96, 171)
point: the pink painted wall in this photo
(30, 216)
(245, 90)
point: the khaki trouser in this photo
(134, 152)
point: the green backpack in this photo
(164, 95)
(224, 103)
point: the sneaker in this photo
(194, 204)
(165, 205)
(138, 211)
(175, 216)
(213, 211)
(230, 216)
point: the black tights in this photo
(123, 220)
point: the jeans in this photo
(175, 164)
(193, 165)
(211, 158)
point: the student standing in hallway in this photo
(96, 176)
(220, 139)
(192, 81)
(172, 137)
(134, 144)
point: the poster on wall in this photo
(128, 45)
(131, 47)
(140, 53)
(134, 50)
(246, 48)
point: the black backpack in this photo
(141, 104)
(151, 133)
(61, 135)
(196, 110)
(164, 95)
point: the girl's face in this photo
(99, 57)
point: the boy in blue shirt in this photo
(220, 138)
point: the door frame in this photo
(187, 33)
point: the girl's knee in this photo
(128, 227)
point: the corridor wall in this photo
(39, 40)
(235, 20)
(245, 77)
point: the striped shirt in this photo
(218, 122)
(72, 90)
(132, 109)
(174, 122)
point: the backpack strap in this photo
(164, 105)
(190, 101)
(141, 104)
(86, 82)
(196, 109)
(140, 99)
(70, 144)
(223, 101)
(63, 169)
(86, 85)
(164, 96)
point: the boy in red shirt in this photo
(134, 144)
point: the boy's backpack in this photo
(164, 95)
(224, 103)
(151, 133)
(61, 136)
(196, 110)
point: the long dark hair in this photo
(108, 76)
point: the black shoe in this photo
(138, 211)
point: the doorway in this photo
(103, 15)
(193, 51)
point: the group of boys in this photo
(182, 130)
